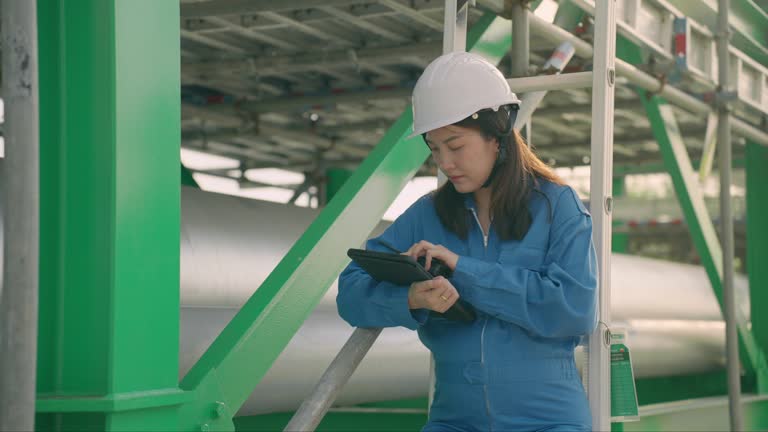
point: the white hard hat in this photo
(455, 86)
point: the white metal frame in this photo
(601, 189)
(603, 79)
(751, 93)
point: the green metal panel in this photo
(396, 415)
(757, 240)
(676, 388)
(709, 414)
(340, 422)
(109, 282)
(684, 179)
(247, 347)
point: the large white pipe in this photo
(230, 245)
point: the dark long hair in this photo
(516, 177)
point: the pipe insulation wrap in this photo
(230, 245)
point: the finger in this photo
(426, 244)
(410, 249)
(423, 247)
(428, 260)
(414, 251)
(424, 286)
(446, 295)
(450, 302)
(449, 297)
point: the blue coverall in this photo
(513, 368)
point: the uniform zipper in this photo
(485, 384)
(479, 225)
(482, 332)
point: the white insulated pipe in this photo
(230, 245)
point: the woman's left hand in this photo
(430, 251)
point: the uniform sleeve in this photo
(364, 302)
(556, 300)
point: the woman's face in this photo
(464, 155)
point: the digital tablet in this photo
(404, 270)
(389, 267)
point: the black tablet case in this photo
(404, 270)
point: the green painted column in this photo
(757, 240)
(620, 237)
(110, 215)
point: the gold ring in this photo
(443, 297)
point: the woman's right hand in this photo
(437, 294)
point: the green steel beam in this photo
(684, 179)
(334, 180)
(676, 388)
(688, 191)
(369, 421)
(109, 234)
(757, 242)
(653, 168)
(187, 179)
(245, 350)
(748, 22)
(568, 15)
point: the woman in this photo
(519, 243)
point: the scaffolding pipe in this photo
(726, 217)
(521, 42)
(20, 219)
(313, 409)
(538, 83)
(641, 79)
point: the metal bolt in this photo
(220, 410)
(608, 205)
(607, 335)
(205, 428)
(611, 76)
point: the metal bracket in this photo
(506, 11)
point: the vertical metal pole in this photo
(726, 219)
(21, 212)
(520, 55)
(455, 26)
(454, 40)
(601, 184)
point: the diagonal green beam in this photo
(684, 179)
(245, 350)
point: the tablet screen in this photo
(389, 267)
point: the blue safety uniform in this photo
(513, 368)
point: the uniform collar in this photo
(469, 202)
